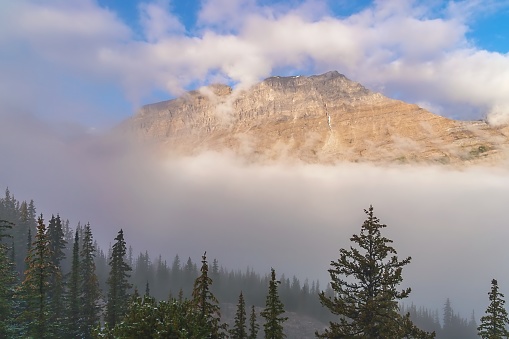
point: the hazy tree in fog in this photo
(143, 271)
(189, 274)
(365, 280)
(23, 218)
(424, 318)
(35, 286)
(253, 324)
(493, 324)
(117, 281)
(206, 304)
(90, 292)
(7, 282)
(449, 329)
(274, 308)
(239, 327)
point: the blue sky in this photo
(94, 62)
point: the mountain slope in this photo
(317, 119)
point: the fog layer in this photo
(294, 218)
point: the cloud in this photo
(158, 22)
(430, 60)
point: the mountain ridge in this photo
(322, 118)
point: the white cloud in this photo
(406, 49)
(158, 22)
(226, 14)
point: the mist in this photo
(293, 217)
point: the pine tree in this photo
(89, 289)
(472, 326)
(189, 275)
(35, 286)
(7, 282)
(118, 282)
(206, 304)
(239, 328)
(364, 280)
(26, 222)
(253, 324)
(273, 326)
(448, 329)
(73, 292)
(57, 245)
(493, 324)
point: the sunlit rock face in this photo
(317, 119)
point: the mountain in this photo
(317, 119)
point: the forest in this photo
(56, 282)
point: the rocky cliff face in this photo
(317, 119)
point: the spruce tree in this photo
(239, 328)
(57, 245)
(273, 326)
(26, 222)
(73, 292)
(117, 282)
(364, 281)
(206, 304)
(448, 329)
(35, 287)
(89, 289)
(253, 324)
(7, 283)
(493, 324)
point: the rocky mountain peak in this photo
(318, 119)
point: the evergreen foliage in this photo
(7, 283)
(89, 289)
(239, 328)
(448, 319)
(22, 268)
(494, 322)
(364, 279)
(57, 244)
(274, 308)
(253, 324)
(206, 304)
(73, 292)
(147, 318)
(118, 282)
(22, 216)
(36, 285)
(423, 318)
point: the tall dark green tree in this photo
(274, 308)
(118, 282)
(35, 286)
(494, 322)
(57, 244)
(7, 283)
(253, 324)
(89, 288)
(365, 280)
(206, 304)
(74, 325)
(239, 330)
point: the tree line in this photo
(62, 291)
